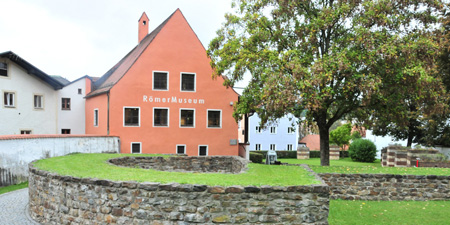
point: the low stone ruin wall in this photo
(210, 164)
(387, 187)
(56, 199)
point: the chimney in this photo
(143, 27)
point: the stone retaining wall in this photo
(58, 199)
(210, 164)
(387, 187)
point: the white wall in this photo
(24, 116)
(73, 119)
(281, 139)
(16, 154)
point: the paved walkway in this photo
(14, 208)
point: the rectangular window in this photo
(38, 100)
(289, 147)
(272, 147)
(136, 148)
(160, 80)
(8, 99)
(160, 117)
(202, 150)
(80, 91)
(181, 149)
(188, 81)
(3, 69)
(65, 103)
(291, 130)
(214, 118)
(25, 132)
(65, 131)
(131, 116)
(273, 130)
(187, 118)
(258, 129)
(258, 147)
(96, 117)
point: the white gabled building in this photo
(33, 102)
(71, 106)
(28, 98)
(281, 135)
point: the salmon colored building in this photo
(160, 98)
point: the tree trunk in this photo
(324, 146)
(410, 138)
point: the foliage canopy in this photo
(328, 57)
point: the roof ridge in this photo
(102, 86)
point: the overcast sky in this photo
(73, 38)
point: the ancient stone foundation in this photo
(302, 153)
(387, 187)
(334, 152)
(56, 199)
(208, 164)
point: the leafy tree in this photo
(328, 57)
(341, 135)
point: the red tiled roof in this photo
(312, 141)
(36, 136)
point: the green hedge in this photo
(256, 157)
(280, 154)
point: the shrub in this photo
(287, 154)
(256, 157)
(362, 150)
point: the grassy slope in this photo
(389, 212)
(13, 187)
(348, 166)
(95, 165)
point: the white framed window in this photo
(273, 147)
(214, 118)
(80, 91)
(258, 147)
(160, 81)
(181, 149)
(38, 101)
(290, 130)
(203, 150)
(289, 147)
(3, 69)
(25, 132)
(161, 117)
(187, 117)
(95, 117)
(136, 148)
(65, 131)
(9, 99)
(65, 103)
(131, 116)
(188, 82)
(258, 129)
(273, 130)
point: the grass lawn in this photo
(346, 165)
(95, 166)
(388, 212)
(13, 187)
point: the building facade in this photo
(160, 98)
(28, 98)
(281, 135)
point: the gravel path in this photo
(14, 208)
